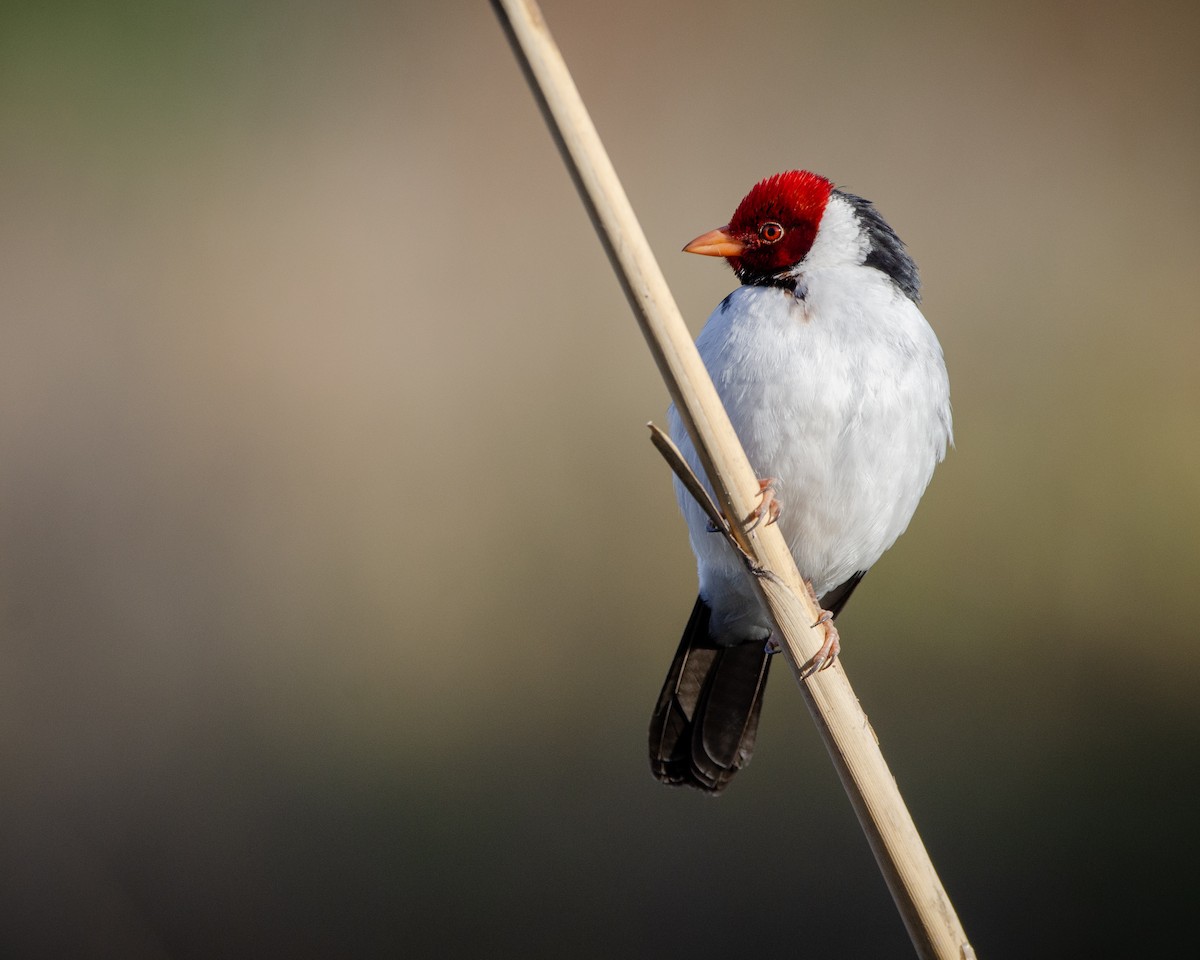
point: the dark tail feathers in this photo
(704, 724)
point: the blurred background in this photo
(339, 578)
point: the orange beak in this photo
(716, 243)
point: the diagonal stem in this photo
(925, 908)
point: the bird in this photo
(836, 386)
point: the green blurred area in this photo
(339, 578)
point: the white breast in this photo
(840, 394)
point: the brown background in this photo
(338, 575)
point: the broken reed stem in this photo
(927, 912)
(679, 466)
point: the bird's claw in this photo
(769, 505)
(823, 659)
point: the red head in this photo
(773, 227)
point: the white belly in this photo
(846, 406)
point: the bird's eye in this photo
(770, 232)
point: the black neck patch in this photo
(781, 280)
(886, 251)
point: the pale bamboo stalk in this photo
(924, 906)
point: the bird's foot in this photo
(769, 506)
(823, 659)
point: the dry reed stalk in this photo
(924, 906)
